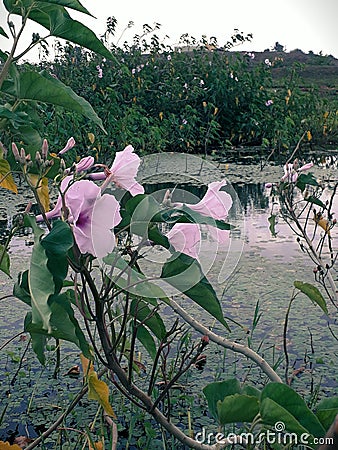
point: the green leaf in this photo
(287, 399)
(237, 408)
(250, 390)
(59, 240)
(141, 311)
(157, 237)
(42, 87)
(39, 342)
(57, 243)
(184, 214)
(185, 274)
(3, 33)
(130, 279)
(305, 179)
(21, 288)
(146, 340)
(272, 222)
(73, 4)
(315, 201)
(313, 293)
(217, 391)
(4, 261)
(53, 16)
(327, 409)
(273, 413)
(41, 285)
(63, 325)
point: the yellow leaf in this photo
(161, 115)
(87, 365)
(323, 223)
(42, 189)
(91, 137)
(98, 390)
(6, 179)
(97, 446)
(7, 446)
(309, 135)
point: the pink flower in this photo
(291, 171)
(305, 167)
(185, 238)
(123, 172)
(70, 144)
(215, 203)
(100, 71)
(220, 236)
(91, 215)
(84, 164)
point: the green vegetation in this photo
(106, 265)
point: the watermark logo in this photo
(277, 435)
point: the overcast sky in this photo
(304, 24)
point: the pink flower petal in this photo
(84, 164)
(70, 144)
(305, 167)
(124, 171)
(185, 238)
(215, 203)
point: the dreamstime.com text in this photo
(276, 436)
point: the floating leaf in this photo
(313, 293)
(6, 179)
(98, 390)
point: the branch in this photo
(234, 346)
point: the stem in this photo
(234, 346)
(284, 339)
(60, 419)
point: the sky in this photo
(296, 24)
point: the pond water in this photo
(263, 269)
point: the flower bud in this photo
(38, 159)
(84, 164)
(44, 149)
(15, 151)
(22, 156)
(70, 144)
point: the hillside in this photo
(318, 70)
